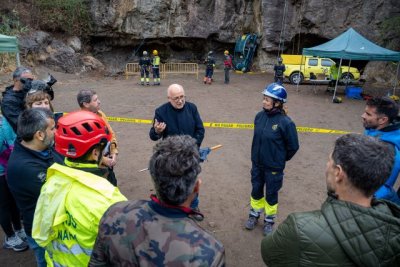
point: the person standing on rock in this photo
(144, 64)
(275, 141)
(178, 117)
(228, 65)
(156, 68)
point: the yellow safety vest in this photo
(68, 211)
(156, 61)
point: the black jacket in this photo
(12, 105)
(26, 173)
(179, 122)
(275, 140)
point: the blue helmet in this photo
(276, 91)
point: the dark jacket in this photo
(12, 105)
(179, 122)
(26, 174)
(144, 61)
(340, 234)
(275, 140)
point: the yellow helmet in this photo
(155, 52)
(226, 52)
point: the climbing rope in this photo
(283, 29)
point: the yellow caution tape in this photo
(227, 125)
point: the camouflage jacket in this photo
(145, 233)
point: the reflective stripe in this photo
(76, 249)
(271, 210)
(257, 204)
(56, 264)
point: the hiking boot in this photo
(198, 217)
(15, 243)
(21, 234)
(251, 223)
(268, 228)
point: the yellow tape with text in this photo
(228, 125)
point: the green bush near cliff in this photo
(69, 16)
(390, 32)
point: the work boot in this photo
(251, 223)
(15, 243)
(21, 234)
(268, 228)
(197, 216)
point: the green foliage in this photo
(10, 24)
(390, 32)
(70, 16)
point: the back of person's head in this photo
(366, 161)
(174, 167)
(85, 96)
(385, 106)
(35, 96)
(19, 71)
(31, 121)
(78, 133)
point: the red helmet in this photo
(78, 131)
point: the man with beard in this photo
(28, 165)
(381, 120)
(351, 228)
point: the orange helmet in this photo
(155, 52)
(78, 131)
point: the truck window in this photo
(326, 63)
(313, 62)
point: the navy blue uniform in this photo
(179, 122)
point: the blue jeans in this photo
(39, 252)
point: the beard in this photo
(48, 142)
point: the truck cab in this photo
(300, 68)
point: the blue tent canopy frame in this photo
(9, 44)
(353, 46)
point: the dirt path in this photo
(224, 196)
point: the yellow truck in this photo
(301, 68)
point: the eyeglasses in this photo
(177, 98)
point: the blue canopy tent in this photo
(353, 46)
(9, 44)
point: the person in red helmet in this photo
(75, 196)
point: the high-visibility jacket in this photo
(156, 61)
(68, 212)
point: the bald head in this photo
(176, 96)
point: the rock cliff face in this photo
(187, 29)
